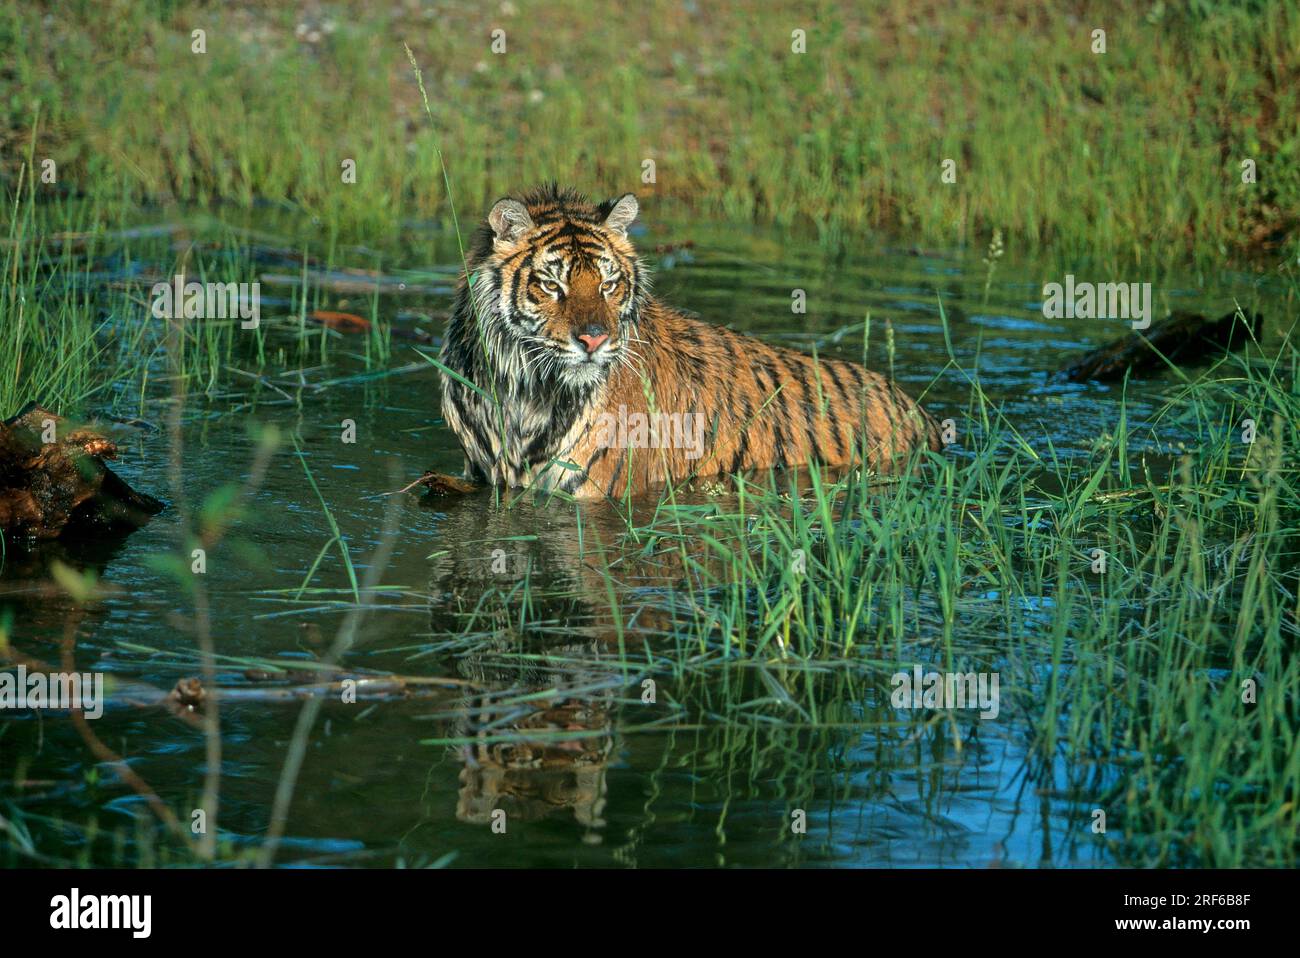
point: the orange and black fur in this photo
(559, 334)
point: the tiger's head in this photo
(557, 285)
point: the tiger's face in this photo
(562, 286)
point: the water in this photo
(552, 728)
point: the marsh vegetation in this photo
(663, 681)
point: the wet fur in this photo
(763, 406)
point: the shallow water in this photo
(552, 728)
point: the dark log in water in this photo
(1181, 338)
(53, 481)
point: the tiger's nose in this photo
(593, 336)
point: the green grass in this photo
(1133, 154)
(77, 334)
(1131, 680)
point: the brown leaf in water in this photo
(438, 484)
(343, 322)
(441, 484)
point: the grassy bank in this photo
(1134, 153)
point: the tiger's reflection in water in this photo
(526, 587)
(536, 758)
(529, 587)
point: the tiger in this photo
(561, 371)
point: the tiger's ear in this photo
(509, 220)
(622, 214)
